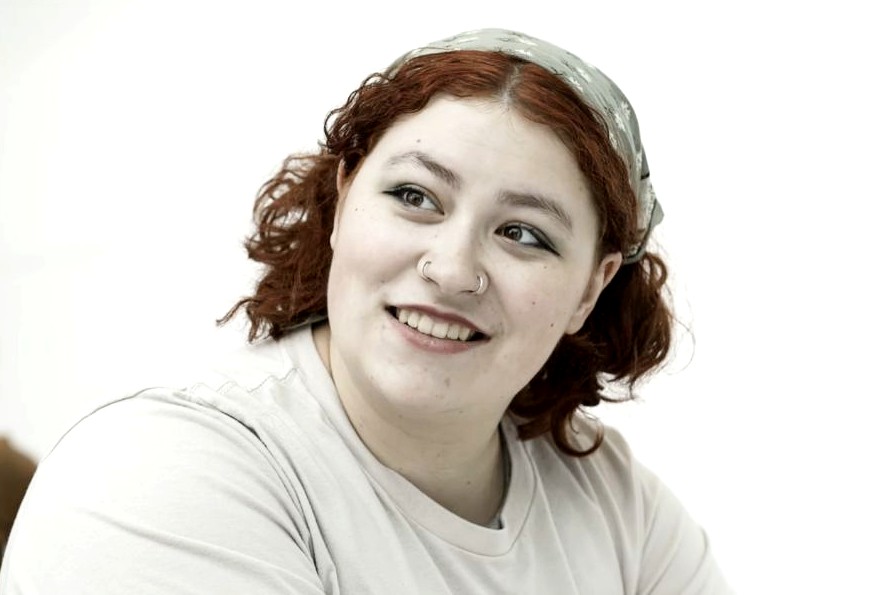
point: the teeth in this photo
(425, 324)
(440, 330)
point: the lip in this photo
(430, 344)
(444, 316)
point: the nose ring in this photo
(481, 285)
(423, 271)
(482, 281)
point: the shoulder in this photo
(243, 419)
(158, 458)
(611, 475)
(166, 475)
(608, 484)
(251, 367)
(231, 420)
(664, 548)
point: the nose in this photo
(453, 262)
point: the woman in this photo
(462, 266)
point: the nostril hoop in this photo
(423, 270)
(482, 282)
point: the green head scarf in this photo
(593, 87)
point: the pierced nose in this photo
(422, 269)
(482, 284)
(482, 279)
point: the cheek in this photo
(545, 300)
(538, 328)
(366, 250)
(539, 316)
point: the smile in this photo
(440, 329)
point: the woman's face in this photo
(474, 189)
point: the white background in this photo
(134, 135)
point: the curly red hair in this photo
(627, 335)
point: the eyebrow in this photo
(537, 201)
(528, 200)
(428, 163)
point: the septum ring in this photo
(481, 279)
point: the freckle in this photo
(448, 381)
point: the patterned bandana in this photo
(598, 91)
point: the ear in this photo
(343, 186)
(601, 276)
(342, 182)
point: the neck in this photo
(454, 461)
(463, 476)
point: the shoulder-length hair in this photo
(627, 335)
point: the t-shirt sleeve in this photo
(151, 496)
(675, 553)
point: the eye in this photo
(414, 197)
(526, 235)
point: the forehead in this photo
(484, 140)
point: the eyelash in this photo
(400, 193)
(542, 242)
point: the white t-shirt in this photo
(255, 482)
